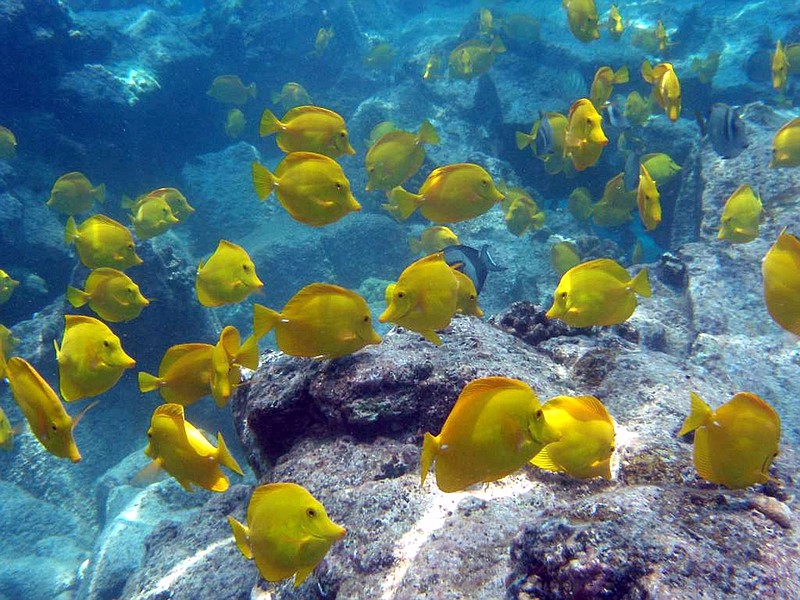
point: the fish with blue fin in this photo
(725, 129)
(475, 264)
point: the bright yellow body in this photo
(666, 87)
(615, 25)
(230, 354)
(637, 109)
(102, 242)
(615, 207)
(45, 413)
(179, 448)
(450, 194)
(90, 360)
(564, 256)
(598, 292)
(521, 211)
(320, 321)
(7, 286)
(184, 375)
(603, 84)
(661, 167)
(308, 129)
(111, 294)
(494, 428)
(227, 277)
(229, 89)
(781, 273)
(433, 239)
(735, 444)
(786, 145)
(287, 532)
(582, 19)
(587, 437)
(585, 139)
(473, 58)
(152, 218)
(311, 187)
(424, 298)
(780, 68)
(396, 156)
(73, 193)
(178, 203)
(648, 200)
(740, 216)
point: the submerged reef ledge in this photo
(350, 431)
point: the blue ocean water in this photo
(119, 90)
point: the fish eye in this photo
(401, 294)
(366, 318)
(342, 134)
(149, 435)
(589, 121)
(311, 512)
(484, 182)
(130, 246)
(539, 414)
(245, 268)
(473, 297)
(338, 186)
(564, 295)
(106, 343)
(54, 427)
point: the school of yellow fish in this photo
(497, 424)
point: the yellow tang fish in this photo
(8, 144)
(450, 194)
(292, 94)
(587, 438)
(90, 360)
(661, 167)
(582, 19)
(666, 87)
(467, 295)
(615, 206)
(323, 38)
(473, 58)
(234, 123)
(178, 203)
(615, 25)
(229, 89)
(495, 427)
(425, 297)
(102, 242)
(521, 211)
(152, 218)
(396, 156)
(73, 193)
(7, 342)
(661, 36)
(648, 200)
(379, 131)
(380, 57)
(786, 146)
(780, 68)
(579, 204)
(433, 68)
(433, 239)
(45, 413)
(7, 286)
(7, 432)
(598, 292)
(230, 354)
(585, 139)
(740, 216)
(287, 532)
(308, 129)
(227, 277)
(182, 450)
(111, 294)
(637, 109)
(735, 444)
(546, 139)
(706, 68)
(184, 375)
(563, 256)
(780, 269)
(311, 187)
(603, 84)
(320, 321)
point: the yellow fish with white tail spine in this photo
(227, 277)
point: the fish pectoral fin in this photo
(148, 475)
(543, 460)
(431, 336)
(302, 574)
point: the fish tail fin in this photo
(497, 47)
(269, 124)
(77, 297)
(430, 448)
(149, 383)
(622, 75)
(523, 140)
(242, 537)
(700, 415)
(126, 202)
(263, 181)
(247, 356)
(427, 133)
(70, 231)
(99, 193)
(641, 284)
(225, 457)
(415, 245)
(647, 71)
(402, 203)
(264, 320)
(252, 90)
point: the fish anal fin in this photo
(702, 456)
(543, 460)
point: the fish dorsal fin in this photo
(176, 353)
(230, 340)
(104, 220)
(748, 401)
(584, 408)
(305, 110)
(480, 390)
(543, 460)
(74, 320)
(174, 412)
(304, 157)
(608, 266)
(262, 493)
(300, 300)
